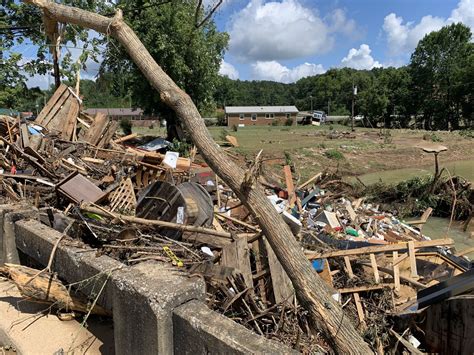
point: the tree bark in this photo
(323, 311)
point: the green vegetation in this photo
(334, 154)
(126, 126)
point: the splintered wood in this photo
(123, 198)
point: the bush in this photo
(151, 126)
(432, 137)
(275, 123)
(289, 122)
(182, 147)
(235, 128)
(334, 154)
(126, 126)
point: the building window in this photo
(288, 115)
(269, 116)
(241, 116)
(254, 116)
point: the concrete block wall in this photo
(156, 308)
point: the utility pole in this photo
(311, 97)
(329, 102)
(354, 93)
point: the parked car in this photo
(359, 118)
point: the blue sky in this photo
(285, 40)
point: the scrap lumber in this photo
(396, 272)
(126, 138)
(61, 112)
(379, 249)
(281, 283)
(290, 187)
(359, 289)
(323, 311)
(46, 288)
(411, 255)
(97, 129)
(237, 256)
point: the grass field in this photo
(311, 149)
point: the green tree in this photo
(437, 68)
(189, 53)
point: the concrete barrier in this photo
(156, 308)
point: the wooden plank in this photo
(314, 178)
(360, 309)
(379, 249)
(126, 138)
(347, 262)
(108, 134)
(290, 187)
(52, 102)
(237, 255)
(375, 268)
(396, 272)
(94, 133)
(282, 287)
(25, 139)
(261, 270)
(351, 211)
(69, 125)
(54, 120)
(364, 288)
(326, 274)
(411, 255)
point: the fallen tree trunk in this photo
(323, 311)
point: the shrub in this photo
(334, 154)
(432, 137)
(151, 126)
(235, 128)
(126, 126)
(289, 122)
(275, 123)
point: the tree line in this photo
(434, 91)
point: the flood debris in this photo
(333, 261)
(127, 203)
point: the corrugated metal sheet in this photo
(261, 109)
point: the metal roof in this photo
(115, 111)
(261, 109)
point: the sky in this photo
(286, 40)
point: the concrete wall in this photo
(156, 308)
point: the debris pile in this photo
(138, 201)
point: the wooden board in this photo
(79, 189)
(53, 101)
(97, 128)
(379, 249)
(282, 287)
(290, 187)
(69, 125)
(237, 255)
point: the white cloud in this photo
(403, 37)
(360, 58)
(272, 70)
(340, 23)
(228, 70)
(279, 30)
(464, 13)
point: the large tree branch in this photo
(311, 291)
